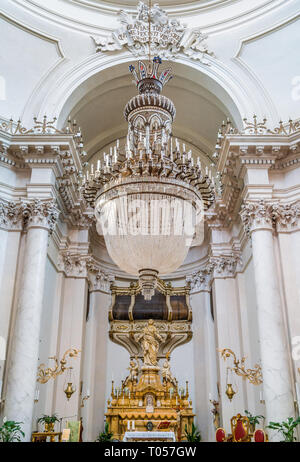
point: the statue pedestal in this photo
(150, 379)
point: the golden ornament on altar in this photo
(146, 396)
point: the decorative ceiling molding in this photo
(33, 31)
(168, 36)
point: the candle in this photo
(92, 169)
(128, 425)
(133, 425)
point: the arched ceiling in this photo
(162, 3)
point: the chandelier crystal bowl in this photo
(149, 198)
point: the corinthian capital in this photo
(225, 266)
(286, 216)
(257, 215)
(72, 264)
(11, 215)
(200, 280)
(40, 214)
(99, 280)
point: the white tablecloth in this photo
(147, 435)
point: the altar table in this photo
(149, 436)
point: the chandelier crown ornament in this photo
(149, 197)
(149, 80)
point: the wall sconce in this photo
(69, 388)
(45, 374)
(253, 375)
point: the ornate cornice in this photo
(82, 265)
(217, 267)
(44, 145)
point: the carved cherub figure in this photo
(133, 371)
(166, 372)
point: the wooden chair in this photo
(220, 435)
(259, 436)
(240, 427)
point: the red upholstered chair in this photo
(240, 428)
(220, 435)
(259, 436)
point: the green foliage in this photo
(253, 419)
(48, 419)
(11, 431)
(105, 436)
(286, 428)
(193, 436)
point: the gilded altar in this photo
(149, 398)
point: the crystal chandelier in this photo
(150, 196)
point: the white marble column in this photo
(277, 385)
(11, 225)
(40, 217)
(95, 355)
(205, 363)
(228, 331)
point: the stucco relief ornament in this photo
(225, 265)
(74, 265)
(11, 215)
(286, 215)
(256, 215)
(168, 36)
(40, 213)
(200, 280)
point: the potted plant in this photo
(286, 428)
(193, 436)
(253, 420)
(48, 421)
(105, 436)
(11, 431)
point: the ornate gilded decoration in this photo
(144, 398)
(150, 339)
(45, 374)
(253, 375)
